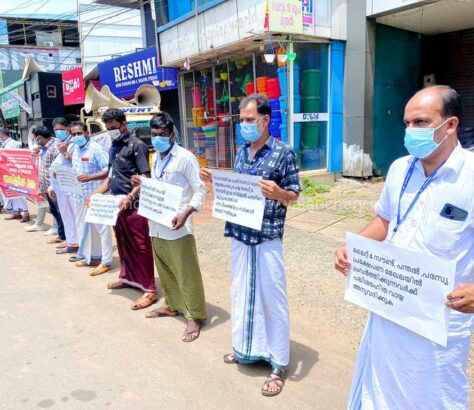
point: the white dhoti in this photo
(260, 318)
(96, 239)
(407, 371)
(67, 211)
(16, 205)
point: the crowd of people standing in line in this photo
(426, 206)
(260, 319)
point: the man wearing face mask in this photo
(427, 207)
(18, 207)
(175, 248)
(260, 320)
(48, 153)
(92, 164)
(62, 133)
(129, 156)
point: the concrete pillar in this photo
(358, 91)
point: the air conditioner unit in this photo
(48, 43)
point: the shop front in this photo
(299, 72)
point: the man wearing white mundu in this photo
(426, 207)
(260, 318)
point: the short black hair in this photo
(4, 131)
(451, 102)
(42, 131)
(113, 114)
(78, 124)
(61, 121)
(162, 120)
(262, 102)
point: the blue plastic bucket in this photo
(284, 133)
(282, 73)
(311, 159)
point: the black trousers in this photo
(53, 206)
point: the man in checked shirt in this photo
(91, 162)
(260, 320)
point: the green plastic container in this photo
(311, 104)
(310, 135)
(312, 82)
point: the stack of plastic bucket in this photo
(199, 146)
(273, 88)
(262, 85)
(210, 134)
(275, 121)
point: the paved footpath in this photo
(69, 343)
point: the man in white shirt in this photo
(174, 248)
(18, 207)
(427, 206)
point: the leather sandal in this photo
(101, 269)
(25, 217)
(146, 300)
(277, 375)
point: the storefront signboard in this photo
(73, 86)
(125, 74)
(285, 16)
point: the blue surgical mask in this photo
(250, 131)
(420, 142)
(161, 143)
(79, 140)
(61, 135)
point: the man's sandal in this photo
(161, 312)
(229, 358)
(101, 269)
(276, 377)
(191, 334)
(146, 300)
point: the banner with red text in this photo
(19, 173)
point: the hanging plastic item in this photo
(247, 79)
(269, 53)
(281, 56)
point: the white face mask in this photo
(114, 134)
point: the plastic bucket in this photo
(310, 135)
(200, 116)
(250, 88)
(274, 128)
(312, 82)
(311, 104)
(282, 73)
(273, 88)
(196, 96)
(262, 84)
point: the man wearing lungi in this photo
(260, 319)
(175, 248)
(129, 156)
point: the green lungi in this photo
(180, 276)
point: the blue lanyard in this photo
(164, 166)
(400, 218)
(254, 169)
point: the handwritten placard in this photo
(104, 209)
(67, 180)
(159, 201)
(238, 199)
(404, 287)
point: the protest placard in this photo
(104, 209)
(402, 286)
(238, 199)
(159, 201)
(67, 179)
(19, 173)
